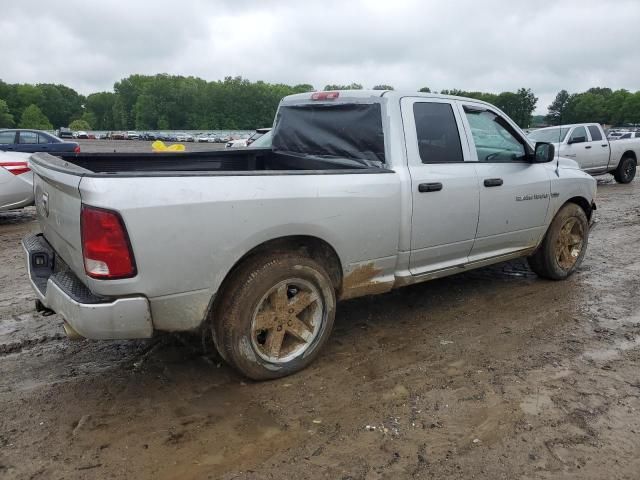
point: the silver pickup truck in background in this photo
(361, 192)
(587, 144)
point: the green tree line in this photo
(172, 102)
(601, 105)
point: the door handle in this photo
(493, 182)
(605, 145)
(429, 187)
(588, 146)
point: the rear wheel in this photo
(626, 170)
(564, 244)
(276, 313)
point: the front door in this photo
(514, 193)
(444, 186)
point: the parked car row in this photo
(204, 137)
(622, 133)
(213, 138)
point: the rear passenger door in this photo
(27, 141)
(599, 147)
(7, 140)
(596, 151)
(444, 185)
(514, 193)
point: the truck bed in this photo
(240, 161)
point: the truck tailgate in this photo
(58, 205)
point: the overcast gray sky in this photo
(487, 45)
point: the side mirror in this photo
(544, 152)
(577, 140)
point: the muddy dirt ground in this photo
(492, 374)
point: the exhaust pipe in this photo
(71, 332)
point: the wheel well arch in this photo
(582, 203)
(313, 247)
(629, 153)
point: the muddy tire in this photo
(626, 170)
(564, 244)
(274, 316)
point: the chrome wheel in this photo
(287, 320)
(570, 243)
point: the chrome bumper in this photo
(91, 316)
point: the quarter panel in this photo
(187, 232)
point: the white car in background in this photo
(16, 181)
(263, 141)
(626, 135)
(615, 134)
(239, 143)
(257, 134)
(204, 138)
(245, 142)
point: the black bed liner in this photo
(240, 160)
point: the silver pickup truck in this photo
(587, 144)
(361, 192)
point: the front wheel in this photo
(564, 244)
(276, 313)
(626, 170)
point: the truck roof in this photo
(360, 95)
(570, 125)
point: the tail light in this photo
(325, 95)
(77, 149)
(17, 168)
(105, 245)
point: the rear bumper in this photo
(92, 316)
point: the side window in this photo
(579, 135)
(28, 137)
(7, 137)
(626, 135)
(43, 138)
(494, 138)
(437, 132)
(596, 136)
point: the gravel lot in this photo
(491, 374)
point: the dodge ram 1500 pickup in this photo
(587, 144)
(360, 192)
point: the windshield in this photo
(350, 131)
(551, 135)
